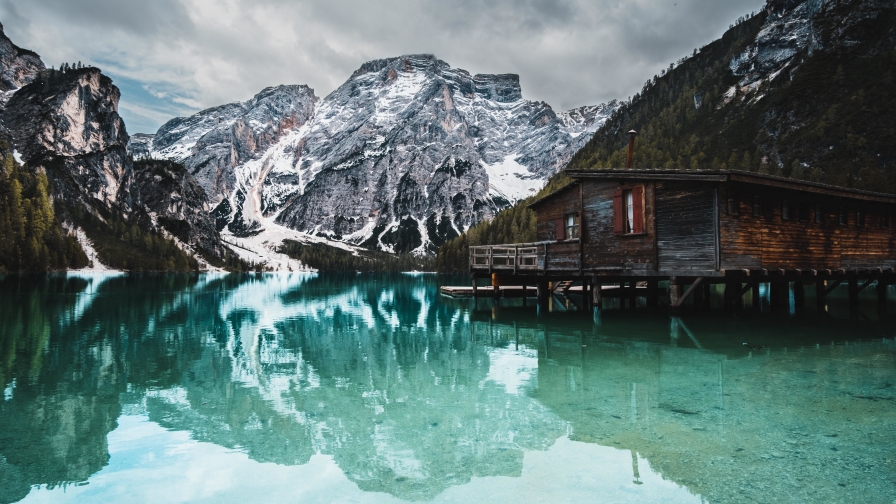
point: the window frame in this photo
(819, 213)
(861, 218)
(630, 220)
(572, 231)
(786, 210)
(757, 207)
(842, 216)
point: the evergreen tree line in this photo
(512, 225)
(31, 237)
(131, 245)
(832, 120)
(331, 259)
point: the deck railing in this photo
(518, 257)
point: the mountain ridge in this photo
(428, 150)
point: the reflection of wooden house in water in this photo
(740, 229)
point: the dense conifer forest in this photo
(31, 237)
(327, 258)
(832, 119)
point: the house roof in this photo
(730, 176)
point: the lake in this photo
(375, 388)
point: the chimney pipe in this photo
(631, 149)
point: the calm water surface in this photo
(304, 388)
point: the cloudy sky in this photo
(175, 57)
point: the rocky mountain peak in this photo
(68, 122)
(407, 153)
(18, 66)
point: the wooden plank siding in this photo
(603, 247)
(770, 241)
(685, 222)
(551, 212)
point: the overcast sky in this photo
(175, 57)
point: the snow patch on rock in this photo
(511, 180)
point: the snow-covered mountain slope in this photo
(405, 155)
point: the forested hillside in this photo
(829, 115)
(31, 238)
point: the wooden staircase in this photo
(562, 286)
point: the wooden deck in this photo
(517, 291)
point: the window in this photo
(572, 226)
(842, 217)
(628, 211)
(819, 213)
(732, 207)
(860, 218)
(757, 206)
(785, 209)
(885, 219)
(803, 213)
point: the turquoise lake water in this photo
(366, 388)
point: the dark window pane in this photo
(757, 206)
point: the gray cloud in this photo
(174, 56)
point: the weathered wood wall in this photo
(769, 241)
(685, 225)
(550, 212)
(602, 246)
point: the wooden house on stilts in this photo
(635, 228)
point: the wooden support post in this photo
(525, 294)
(596, 294)
(474, 286)
(820, 294)
(543, 293)
(699, 294)
(707, 296)
(729, 295)
(799, 295)
(776, 295)
(881, 297)
(633, 285)
(853, 292)
(653, 298)
(674, 294)
(757, 300)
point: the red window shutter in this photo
(561, 229)
(618, 213)
(638, 209)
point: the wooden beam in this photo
(866, 284)
(830, 288)
(688, 292)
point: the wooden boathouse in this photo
(635, 228)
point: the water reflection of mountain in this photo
(411, 395)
